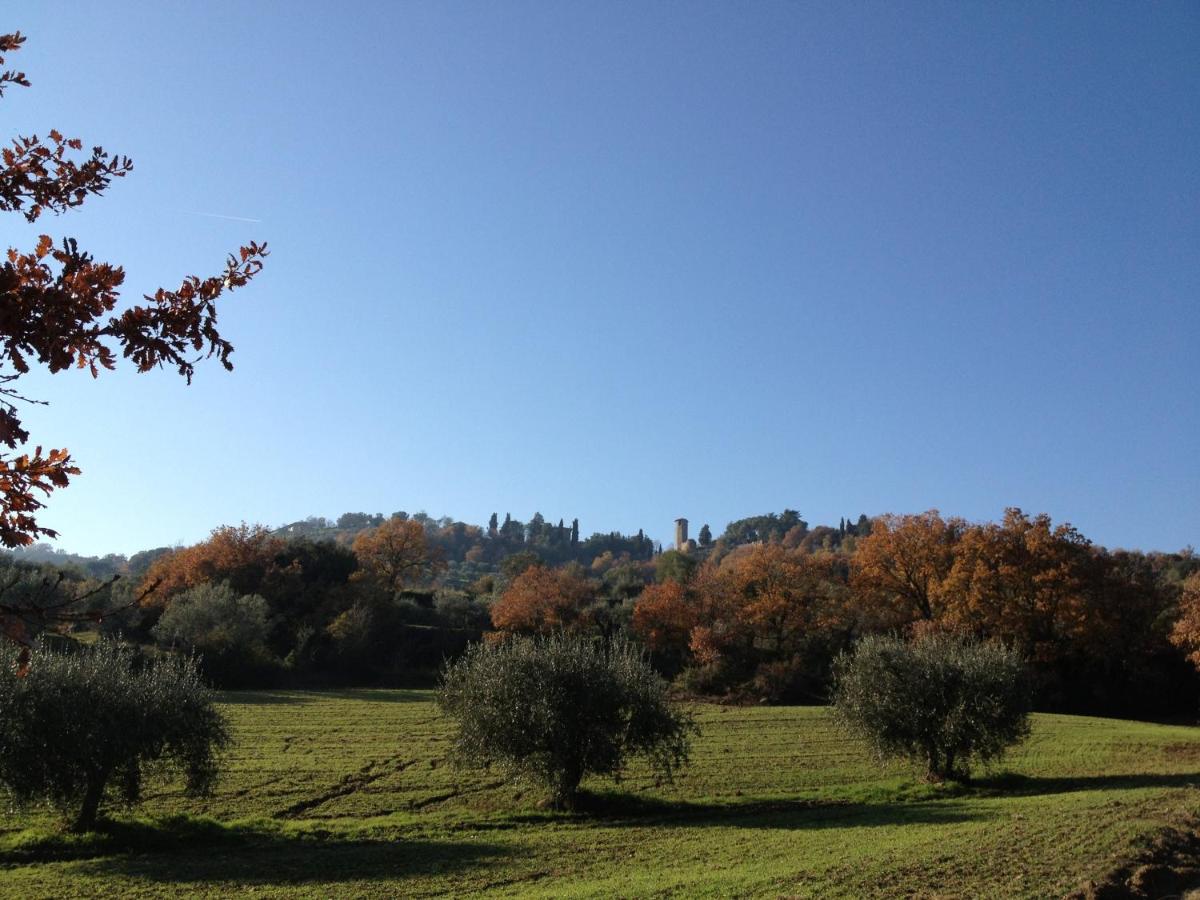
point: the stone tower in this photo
(681, 537)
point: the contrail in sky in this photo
(219, 216)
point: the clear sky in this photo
(629, 262)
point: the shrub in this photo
(85, 725)
(228, 630)
(358, 640)
(791, 680)
(557, 708)
(711, 679)
(456, 609)
(942, 699)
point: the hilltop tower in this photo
(681, 538)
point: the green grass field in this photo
(347, 794)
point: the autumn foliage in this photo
(396, 554)
(763, 613)
(542, 600)
(768, 598)
(58, 307)
(665, 615)
(1042, 587)
(244, 556)
(899, 569)
(1029, 582)
(769, 618)
(378, 597)
(1186, 631)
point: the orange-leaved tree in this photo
(664, 616)
(58, 310)
(898, 569)
(765, 602)
(542, 600)
(243, 555)
(761, 602)
(1028, 582)
(786, 594)
(1186, 631)
(396, 554)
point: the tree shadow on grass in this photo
(611, 809)
(188, 850)
(1012, 784)
(294, 861)
(615, 809)
(293, 697)
(261, 698)
(378, 695)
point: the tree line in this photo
(757, 613)
(1106, 631)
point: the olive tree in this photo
(82, 726)
(941, 699)
(555, 709)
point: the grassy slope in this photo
(349, 794)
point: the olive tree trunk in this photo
(566, 788)
(934, 771)
(86, 820)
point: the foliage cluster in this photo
(1185, 633)
(91, 724)
(227, 631)
(1106, 631)
(558, 708)
(542, 600)
(260, 608)
(768, 619)
(58, 306)
(59, 309)
(941, 698)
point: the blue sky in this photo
(629, 262)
